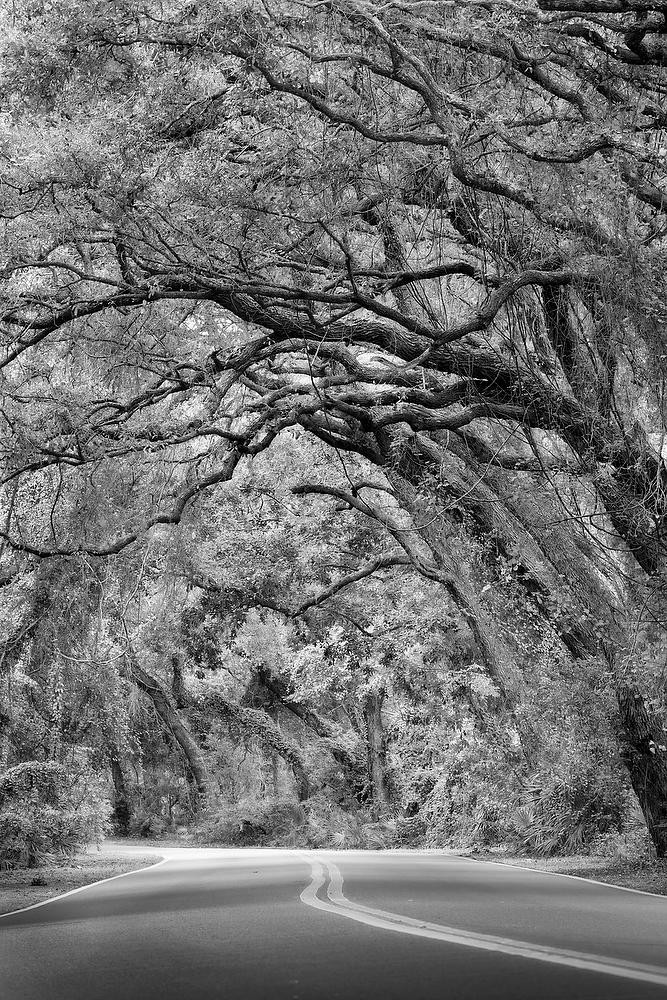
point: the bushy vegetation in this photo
(319, 823)
(275, 822)
(569, 813)
(44, 813)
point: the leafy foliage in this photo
(569, 812)
(45, 811)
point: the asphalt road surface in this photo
(293, 925)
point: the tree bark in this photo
(349, 755)
(176, 725)
(177, 682)
(377, 751)
(122, 812)
(558, 561)
(260, 727)
(495, 657)
(644, 754)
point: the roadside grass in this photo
(63, 875)
(645, 874)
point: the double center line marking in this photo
(325, 872)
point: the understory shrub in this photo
(571, 812)
(286, 823)
(329, 825)
(468, 804)
(43, 813)
(250, 822)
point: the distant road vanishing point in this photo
(294, 925)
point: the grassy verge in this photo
(646, 875)
(16, 890)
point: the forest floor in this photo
(17, 890)
(644, 874)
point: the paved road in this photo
(289, 925)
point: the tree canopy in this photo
(346, 318)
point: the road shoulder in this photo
(16, 890)
(642, 876)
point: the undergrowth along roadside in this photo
(17, 891)
(647, 875)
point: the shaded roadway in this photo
(232, 924)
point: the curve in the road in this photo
(324, 871)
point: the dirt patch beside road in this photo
(647, 876)
(17, 892)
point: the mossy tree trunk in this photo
(377, 751)
(177, 726)
(644, 753)
(122, 810)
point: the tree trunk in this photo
(377, 751)
(177, 682)
(122, 812)
(558, 561)
(176, 725)
(430, 549)
(644, 754)
(348, 754)
(5, 730)
(256, 724)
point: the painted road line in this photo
(325, 871)
(89, 885)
